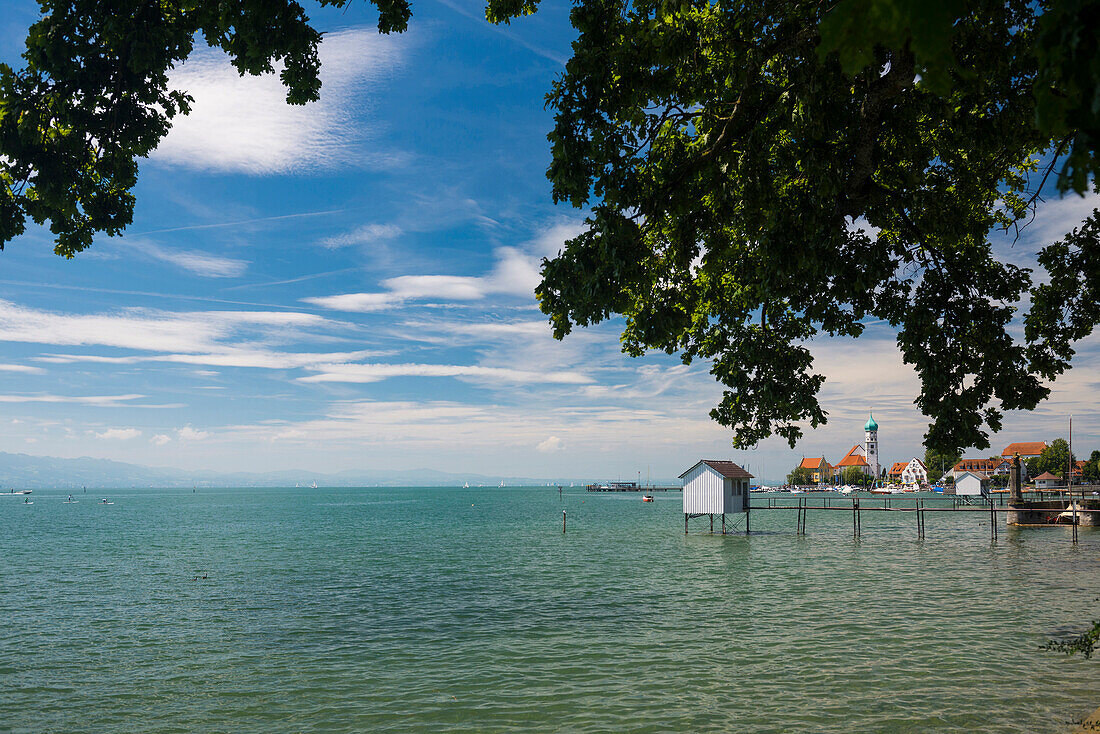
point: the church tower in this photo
(871, 445)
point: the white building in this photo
(971, 484)
(870, 430)
(1046, 480)
(915, 473)
(715, 488)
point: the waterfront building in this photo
(915, 473)
(894, 475)
(713, 487)
(990, 466)
(971, 483)
(1026, 450)
(820, 469)
(1046, 480)
(855, 458)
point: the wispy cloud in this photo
(362, 235)
(26, 368)
(102, 401)
(363, 373)
(515, 273)
(244, 125)
(160, 439)
(193, 261)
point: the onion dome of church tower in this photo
(871, 424)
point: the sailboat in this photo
(502, 482)
(466, 485)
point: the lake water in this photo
(468, 609)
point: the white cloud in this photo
(364, 235)
(143, 330)
(119, 434)
(200, 263)
(102, 401)
(244, 125)
(187, 433)
(550, 445)
(361, 373)
(28, 369)
(516, 272)
(159, 440)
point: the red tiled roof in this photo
(977, 465)
(1025, 448)
(898, 467)
(725, 468)
(1047, 476)
(853, 460)
(814, 463)
(980, 475)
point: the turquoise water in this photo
(450, 609)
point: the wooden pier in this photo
(628, 487)
(1085, 511)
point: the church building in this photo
(863, 456)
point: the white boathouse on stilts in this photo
(713, 487)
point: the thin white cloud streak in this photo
(160, 439)
(237, 222)
(516, 272)
(186, 332)
(502, 31)
(102, 401)
(24, 368)
(233, 357)
(365, 373)
(444, 424)
(244, 124)
(198, 263)
(363, 235)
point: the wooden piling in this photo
(723, 523)
(563, 522)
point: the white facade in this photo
(707, 491)
(971, 484)
(1048, 482)
(914, 473)
(871, 447)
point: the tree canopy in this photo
(756, 174)
(1055, 458)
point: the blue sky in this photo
(348, 286)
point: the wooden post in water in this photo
(723, 523)
(563, 522)
(712, 523)
(992, 520)
(685, 523)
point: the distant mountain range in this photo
(32, 472)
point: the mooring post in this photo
(723, 523)
(748, 512)
(992, 520)
(685, 523)
(855, 517)
(712, 523)
(1074, 503)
